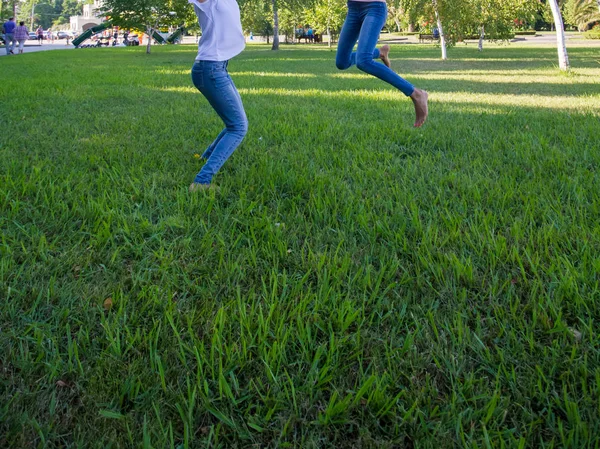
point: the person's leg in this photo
(21, 45)
(212, 146)
(344, 58)
(217, 86)
(374, 21)
(9, 43)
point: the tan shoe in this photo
(197, 187)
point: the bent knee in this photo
(342, 65)
(364, 64)
(240, 128)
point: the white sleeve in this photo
(202, 6)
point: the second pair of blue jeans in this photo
(212, 79)
(363, 24)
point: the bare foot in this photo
(419, 98)
(384, 55)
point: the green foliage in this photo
(44, 14)
(466, 18)
(48, 13)
(257, 17)
(356, 283)
(327, 15)
(581, 13)
(146, 14)
(594, 33)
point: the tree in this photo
(581, 12)
(43, 13)
(395, 13)
(495, 19)
(256, 17)
(328, 17)
(412, 10)
(275, 26)
(143, 14)
(563, 57)
(289, 18)
(440, 27)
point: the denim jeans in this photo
(364, 23)
(9, 42)
(211, 78)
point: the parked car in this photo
(32, 36)
(64, 34)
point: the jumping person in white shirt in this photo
(222, 39)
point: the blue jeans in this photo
(211, 78)
(364, 23)
(9, 42)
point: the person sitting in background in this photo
(311, 34)
(21, 35)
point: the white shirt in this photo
(222, 36)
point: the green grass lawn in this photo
(355, 283)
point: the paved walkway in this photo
(32, 46)
(544, 38)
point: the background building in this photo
(88, 19)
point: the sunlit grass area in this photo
(354, 283)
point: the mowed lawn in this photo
(355, 283)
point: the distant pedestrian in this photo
(21, 35)
(40, 35)
(50, 35)
(9, 37)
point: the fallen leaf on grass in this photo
(576, 334)
(108, 303)
(62, 384)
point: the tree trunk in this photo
(411, 27)
(275, 27)
(398, 24)
(441, 30)
(563, 57)
(149, 32)
(329, 31)
(481, 37)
